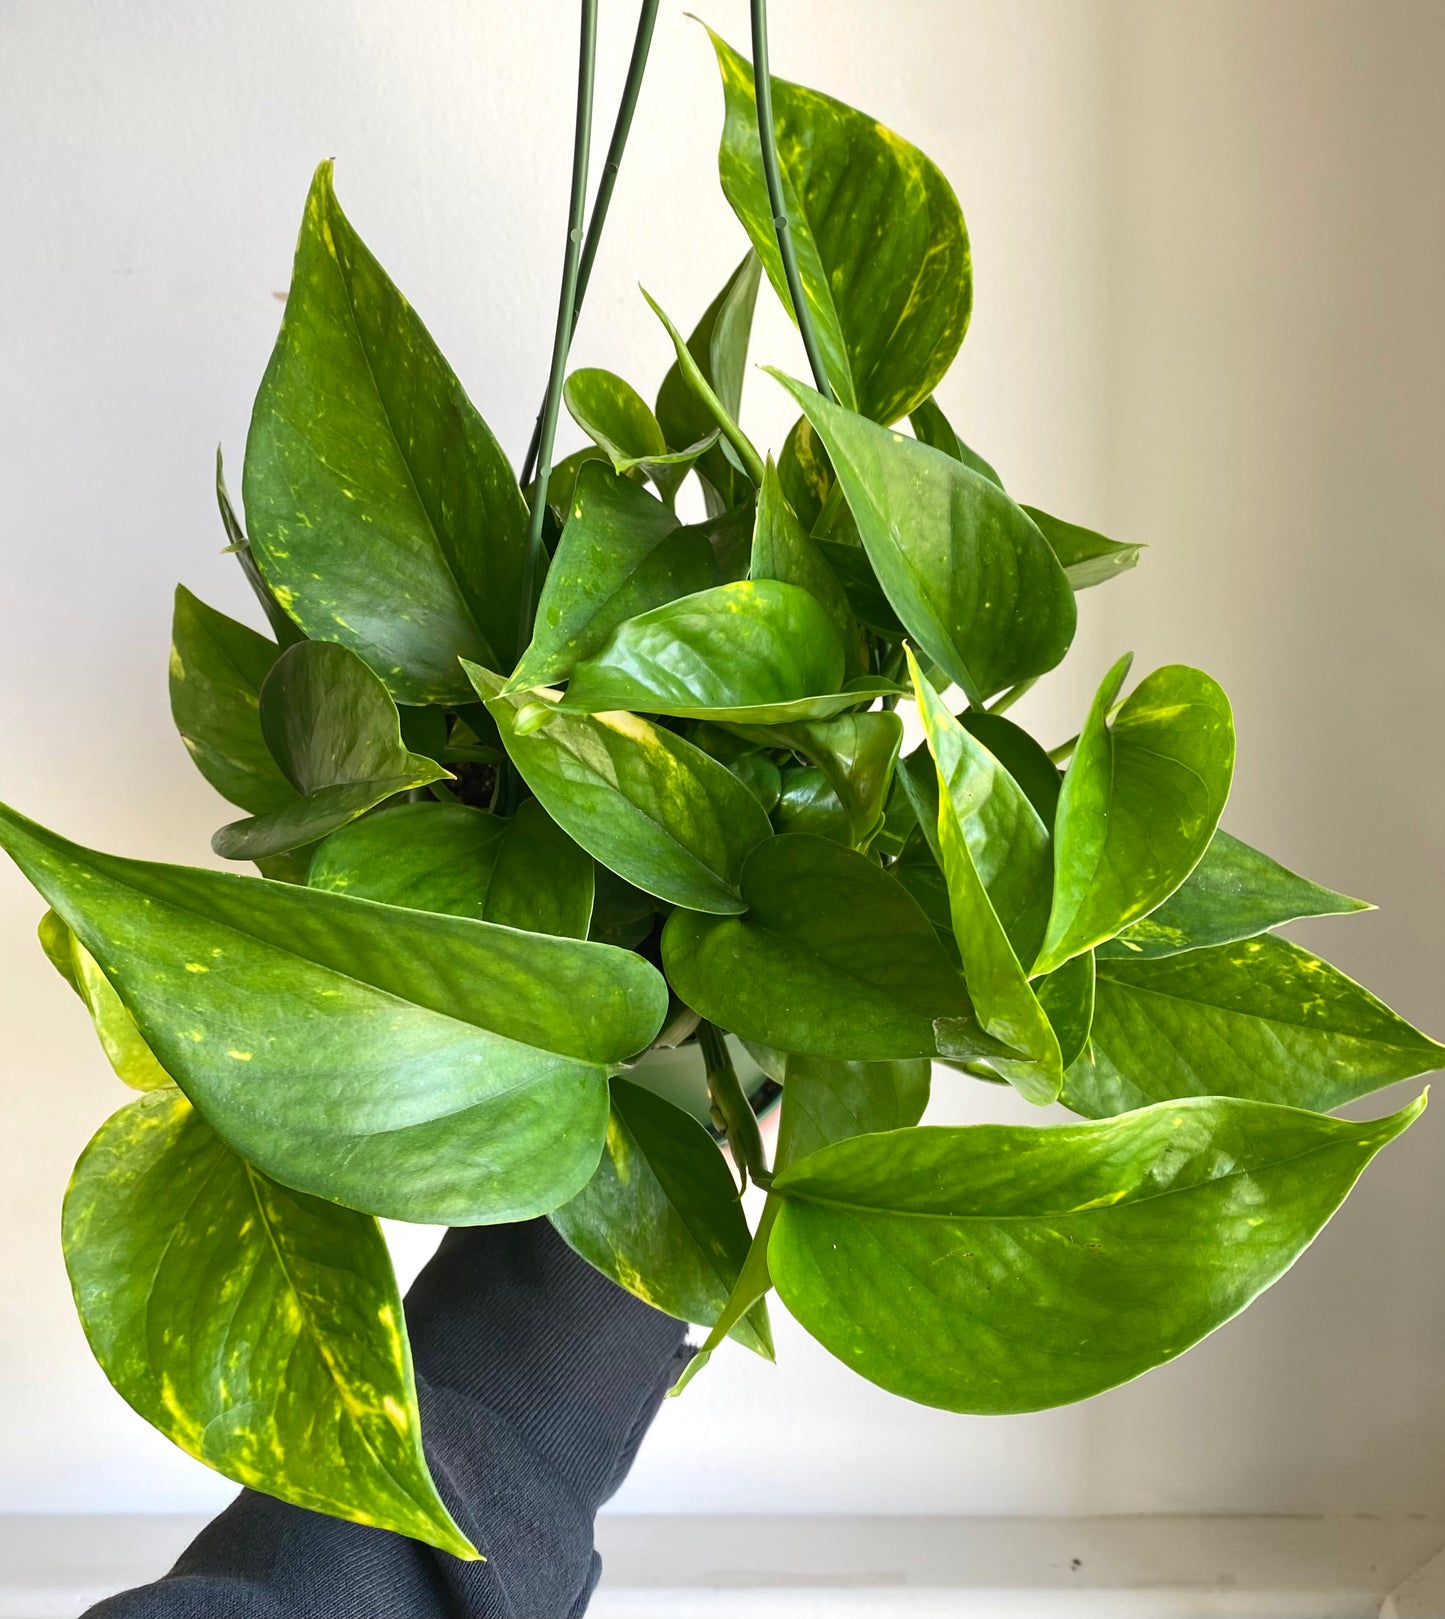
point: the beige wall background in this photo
(1208, 238)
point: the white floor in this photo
(835, 1568)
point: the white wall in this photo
(1207, 243)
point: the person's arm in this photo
(538, 1378)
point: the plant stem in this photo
(641, 45)
(772, 175)
(586, 62)
(1003, 703)
(1064, 749)
(734, 1109)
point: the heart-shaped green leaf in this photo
(753, 652)
(217, 667)
(521, 871)
(964, 568)
(336, 735)
(617, 419)
(259, 1329)
(879, 237)
(621, 553)
(132, 1059)
(857, 754)
(995, 856)
(833, 959)
(644, 801)
(1139, 805)
(809, 803)
(661, 1215)
(719, 349)
(783, 549)
(1233, 893)
(383, 513)
(1258, 1018)
(1087, 558)
(999, 1268)
(425, 1067)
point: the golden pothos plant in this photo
(539, 775)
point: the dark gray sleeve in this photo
(538, 1378)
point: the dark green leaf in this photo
(878, 234)
(857, 754)
(783, 549)
(336, 735)
(621, 553)
(965, 570)
(616, 418)
(1021, 756)
(217, 667)
(621, 914)
(998, 1268)
(520, 871)
(649, 805)
(754, 652)
(1086, 557)
(1139, 805)
(807, 802)
(825, 1100)
(383, 513)
(730, 536)
(719, 346)
(425, 1067)
(132, 1059)
(854, 572)
(931, 426)
(1258, 1018)
(833, 959)
(661, 1216)
(259, 1329)
(1067, 995)
(995, 856)
(1233, 893)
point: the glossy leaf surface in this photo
(383, 513)
(857, 753)
(968, 574)
(998, 1268)
(1233, 893)
(620, 554)
(661, 1215)
(619, 421)
(216, 671)
(878, 233)
(756, 651)
(521, 871)
(1140, 803)
(259, 1329)
(645, 802)
(833, 958)
(1258, 1018)
(995, 857)
(424, 1067)
(336, 736)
